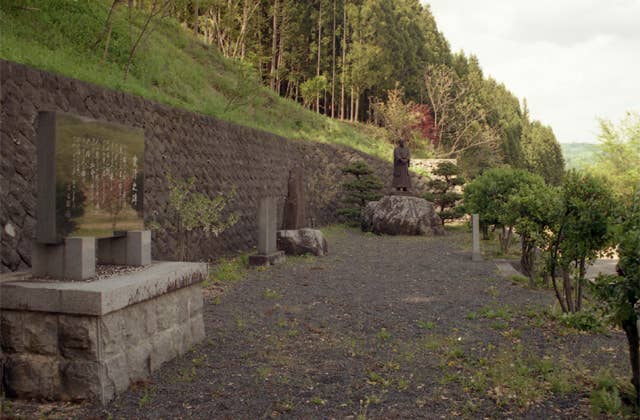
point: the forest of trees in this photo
(378, 61)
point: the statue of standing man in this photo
(401, 158)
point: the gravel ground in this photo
(383, 327)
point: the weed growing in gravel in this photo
(147, 396)
(402, 384)
(489, 312)
(241, 323)
(318, 401)
(271, 294)
(228, 270)
(374, 378)
(499, 325)
(300, 259)
(187, 375)
(492, 291)
(198, 361)
(391, 366)
(384, 335)
(585, 320)
(262, 373)
(607, 395)
(426, 325)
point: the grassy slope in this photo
(171, 67)
(578, 155)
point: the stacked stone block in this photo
(85, 357)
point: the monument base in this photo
(267, 259)
(75, 341)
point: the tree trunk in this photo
(351, 106)
(280, 57)
(581, 274)
(505, 239)
(528, 260)
(107, 24)
(196, 17)
(274, 47)
(319, 48)
(106, 44)
(344, 59)
(144, 29)
(357, 110)
(568, 290)
(484, 228)
(333, 64)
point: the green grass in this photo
(228, 270)
(171, 67)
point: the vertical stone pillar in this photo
(267, 226)
(476, 254)
(294, 211)
(138, 247)
(74, 259)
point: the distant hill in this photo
(578, 155)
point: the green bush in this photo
(488, 195)
(442, 192)
(358, 191)
(620, 293)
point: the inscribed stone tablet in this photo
(98, 177)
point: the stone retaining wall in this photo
(219, 154)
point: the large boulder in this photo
(401, 215)
(302, 241)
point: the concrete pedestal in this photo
(267, 259)
(74, 259)
(132, 248)
(92, 340)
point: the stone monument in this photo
(90, 185)
(65, 339)
(296, 238)
(268, 253)
(294, 211)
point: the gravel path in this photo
(383, 327)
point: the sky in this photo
(574, 60)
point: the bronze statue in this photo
(401, 159)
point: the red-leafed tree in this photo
(426, 124)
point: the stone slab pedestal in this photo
(76, 341)
(132, 248)
(73, 259)
(267, 259)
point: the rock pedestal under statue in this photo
(401, 215)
